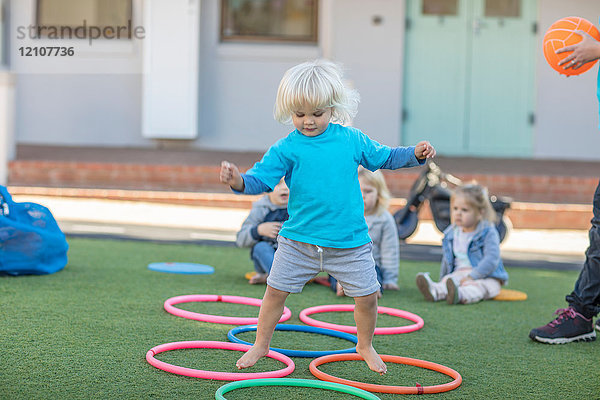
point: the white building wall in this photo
(368, 38)
(238, 83)
(567, 108)
(93, 99)
(79, 110)
(239, 80)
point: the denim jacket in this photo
(483, 252)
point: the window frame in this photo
(517, 10)
(313, 40)
(129, 18)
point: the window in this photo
(104, 14)
(502, 8)
(269, 20)
(440, 7)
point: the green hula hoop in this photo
(363, 394)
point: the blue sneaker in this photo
(569, 326)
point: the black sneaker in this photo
(569, 326)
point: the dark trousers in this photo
(585, 297)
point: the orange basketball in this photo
(561, 34)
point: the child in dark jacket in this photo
(260, 229)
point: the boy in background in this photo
(260, 229)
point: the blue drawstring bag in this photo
(30, 240)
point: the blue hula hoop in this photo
(231, 335)
(181, 268)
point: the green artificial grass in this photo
(83, 332)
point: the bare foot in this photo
(258, 278)
(373, 360)
(339, 290)
(251, 357)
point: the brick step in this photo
(536, 188)
(523, 215)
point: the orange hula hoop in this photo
(418, 389)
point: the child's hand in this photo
(465, 279)
(390, 286)
(583, 52)
(230, 174)
(269, 229)
(424, 149)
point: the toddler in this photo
(326, 229)
(472, 269)
(260, 229)
(382, 230)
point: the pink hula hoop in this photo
(217, 319)
(418, 321)
(222, 376)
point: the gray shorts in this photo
(296, 263)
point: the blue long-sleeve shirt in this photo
(325, 204)
(253, 185)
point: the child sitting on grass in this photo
(472, 269)
(260, 229)
(326, 230)
(382, 230)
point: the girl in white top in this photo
(471, 269)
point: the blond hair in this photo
(318, 84)
(377, 180)
(476, 196)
